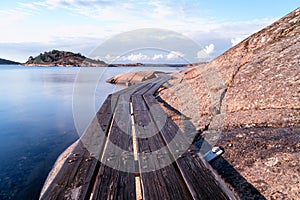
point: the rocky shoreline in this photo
(248, 102)
(132, 78)
(57, 166)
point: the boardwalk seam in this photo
(177, 170)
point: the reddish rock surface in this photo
(132, 77)
(248, 101)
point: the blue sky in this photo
(34, 26)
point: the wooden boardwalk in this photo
(131, 151)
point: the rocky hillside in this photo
(8, 62)
(62, 58)
(248, 101)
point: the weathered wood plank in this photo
(77, 174)
(158, 176)
(199, 179)
(138, 101)
(115, 179)
(145, 89)
(160, 81)
(111, 182)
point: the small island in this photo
(63, 58)
(8, 62)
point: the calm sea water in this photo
(36, 122)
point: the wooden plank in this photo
(144, 89)
(201, 180)
(157, 86)
(115, 179)
(135, 97)
(78, 171)
(149, 89)
(111, 183)
(130, 90)
(158, 176)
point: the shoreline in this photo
(107, 65)
(247, 101)
(57, 166)
(229, 140)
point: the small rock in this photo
(271, 161)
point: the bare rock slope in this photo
(132, 78)
(248, 101)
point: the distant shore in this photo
(109, 65)
(8, 62)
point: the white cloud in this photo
(227, 30)
(133, 15)
(235, 41)
(28, 6)
(82, 3)
(161, 10)
(136, 57)
(201, 55)
(105, 18)
(12, 16)
(157, 57)
(205, 54)
(174, 55)
(108, 57)
(209, 49)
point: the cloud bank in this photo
(81, 26)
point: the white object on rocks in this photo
(214, 153)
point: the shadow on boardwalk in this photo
(236, 182)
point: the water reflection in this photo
(36, 122)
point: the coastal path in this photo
(133, 150)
